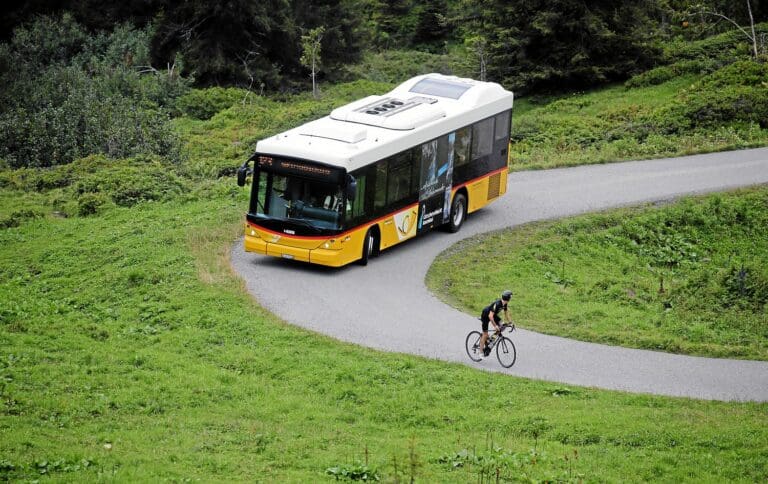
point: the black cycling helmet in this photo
(506, 295)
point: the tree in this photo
(243, 42)
(556, 44)
(228, 43)
(432, 23)
(700, 9)
(478, 46)
(310, 56)
(341, 20)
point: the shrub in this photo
(90, 203)
(662, 74)
(70, 95)
(737, 93)
(745, 287)
(723, 48)
(85, 123)
(396, 66)
(128, 182)
(204, 103)
(18, 217)
(652, 77)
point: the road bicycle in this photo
(505, 348)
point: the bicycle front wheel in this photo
(473, 345)
(506, 352)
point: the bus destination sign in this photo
(296, 167)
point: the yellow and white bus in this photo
(379, 171)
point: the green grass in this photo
(685, 278)
(618, 123)
(131, 353)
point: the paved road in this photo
(387, 306)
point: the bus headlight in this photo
(330, 244)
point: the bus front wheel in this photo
(369, 247)
(458, 213)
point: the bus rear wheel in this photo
(458, 213)
(370, 247)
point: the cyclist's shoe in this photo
(486, 351)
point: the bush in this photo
(737, 93)
(128, 182)
(395, 66)
(723, 48)
(18, 217)
(662, 74)
(70, 95)
(204, 103)
(90, 203)
(745, 287)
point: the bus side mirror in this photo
(351, 188)
(242, 173)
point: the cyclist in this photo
(492, 313)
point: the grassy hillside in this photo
(708, 97)
(130, 352)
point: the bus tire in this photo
(370, 248)
(458, 213)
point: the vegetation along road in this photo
(387, 306)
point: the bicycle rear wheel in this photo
(473, 346)
(506, 352)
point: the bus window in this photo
(380, 195)
(502, 126)
(277, 200)
(461, 146)
(294, 198)
(399, 181)
(356, 209)
(482, 138)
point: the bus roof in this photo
(418, 110)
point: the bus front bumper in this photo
(326, 257)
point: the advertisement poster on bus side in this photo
(436, 178)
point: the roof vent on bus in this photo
(391, 113)
(386, 107)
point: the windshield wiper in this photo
(304, 223)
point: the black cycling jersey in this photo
(495, 308)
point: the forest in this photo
(530, 45)
(77, 78)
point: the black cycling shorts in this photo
(485, 320)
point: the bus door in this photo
(435, 182)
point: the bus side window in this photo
(356, 209)
(461, 146)
(482, 138)
(502, 126)
(380, 195)
(399, 181)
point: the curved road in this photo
(387, 306)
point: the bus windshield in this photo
(307, 202)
